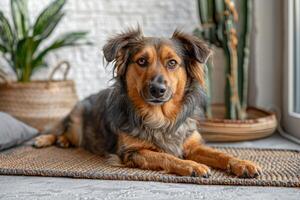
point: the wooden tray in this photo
(260, 124)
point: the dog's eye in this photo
(172, 64)
(142, 62)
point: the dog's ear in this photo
(116, 48)
(196, 53)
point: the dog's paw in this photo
(244, 168)
(44, 141)
(194, 169)
(62, 142)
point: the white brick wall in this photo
(104, 18)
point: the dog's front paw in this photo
(244, 168)
(194, 169)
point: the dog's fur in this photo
(158, 135)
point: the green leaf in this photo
(23, 57)
(68, 39)
(6, 34)
(20, 42)
(46, 19)
(50, 28)
(3, 49)
(20, 17)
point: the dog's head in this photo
(156, 70)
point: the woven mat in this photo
(280, 167)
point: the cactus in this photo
(244, 49)
(219, 19)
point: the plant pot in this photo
(260, 124)
(39, 103)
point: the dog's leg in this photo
(49, 136)
(62, 141)
(64, 133)
(194, 150)
(134, 152)
(44, 140)
(147, 159)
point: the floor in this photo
(20, 187)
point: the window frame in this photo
(291, 119)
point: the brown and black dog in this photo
(148, 118)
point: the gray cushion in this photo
(13, 132)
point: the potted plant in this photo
(22, 47)
(234, 120)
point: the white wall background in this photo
(104, 18)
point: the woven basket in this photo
(39, 103)
(260, 124)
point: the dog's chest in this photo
(169, 142)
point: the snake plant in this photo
(220, 21)
(22, 43)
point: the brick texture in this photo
(103, 18)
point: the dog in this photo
(148, 118)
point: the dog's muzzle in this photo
(157, 91)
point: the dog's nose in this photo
(157, 86)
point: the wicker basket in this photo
(260, 124)
(39, 103)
